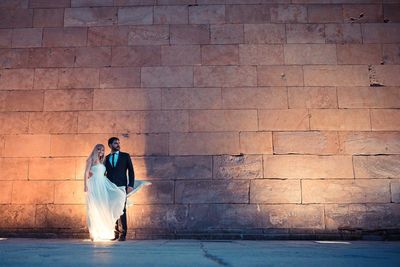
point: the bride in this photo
(105, 201)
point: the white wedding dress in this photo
(105, 203)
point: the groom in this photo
(117, 164)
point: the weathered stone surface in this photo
(119, 77)
(145, 144)
(386, 75)
(69, 192)
(237, 167)
(136, 56)
(207, 14)
(127, 99)
(212, 191)
(26, 37)
(359, 54)
(280, 76)
(340, 119)
(135, 15)
(365, 216)
(64, 37)
(225, 76)
(307, 166)
(32, 192)
(380, 33)
(61, 216)
(312, 97)
(227, 33)
(247, 13)
(339, 75)
(16, 18)
(159, 192)
(343, 33)
(14, 122)
(377, 166)
(152, 35)
(371, 13)
(391, 53)
(108, 36)
(261, 54)
(249, 97)
(48, 17)
(93, 16)
(53, 122)
(27, 145)
(175, 167)
(219, 55)
(93, 57)
(288, 14)
(385, 119)
(319, 143)
(16, 79)
(84, 143)
(5, 192)
(78, 78)
(368, 97)
(346, 191)
(299, 54)
(14, 169)
(369, 142)
(305, 33)
(45, 79)
(65, 100)
(5, 38)
(223, 120)
(189, 34)
(191, 98)
(13, 216)
(167, 76)
(325, 13)
(91, 3)
(395, 190)
(52, 169)
(275, 191)
(171, 15)
(255, 142)
(49, 3)
(203, 143)
(180, 55)
(264, 33)
(51, 57)
(283, 120)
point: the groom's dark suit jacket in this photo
(117, 174)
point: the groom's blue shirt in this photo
(116, 154)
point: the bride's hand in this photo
(85, 188)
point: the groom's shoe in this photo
(122, 238)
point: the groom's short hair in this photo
(112, 139)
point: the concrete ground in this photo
(188, 253)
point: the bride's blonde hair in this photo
(94, 156)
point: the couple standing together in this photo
(107, 186)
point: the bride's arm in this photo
(87, 174)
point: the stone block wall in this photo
(250, 117)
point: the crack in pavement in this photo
(214, 258)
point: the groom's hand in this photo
(129, 189)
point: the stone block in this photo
(14, 169)
(227, 34)
(48, 17)
(136, 56)
(5, 192)
(45, 79)
(261, 54)
(385, 119)
(391, 53)
(69, 192)
(280, 76)
(26, 37)
(5, 38)
(139, 15)
(53, 122)
(212, 191)
(308, 166)
(27, 145)
(91, 3)
(381, 33)
(312, 97)
(93, 16)
(219, 55)
(391, 12)
(49, 3)
(14, 122)
(317, 143)
(64, 37)
(14, 216)
(223, 120)
(255, 142)
(340, 119)
(310, 54)
(152, 35)
(203, 143)
(68, 100)
(165, 121)
(24, 101)
(368, 97)
(339, 75)
(171, 15)
(247, 13)
(108, 36)
(32, 192)
(388, 75)
(283, 120)
(51, 169)
(207, 14)
(78, 78)
(288, 14)
(127, 99)
(359, 54)
(51, 57)
(146, 144)
(325, 13)
(237, 167)
(275, 191)
(167, 76)
(16, 18)
(345, 191)
(93, 56)
(379, 166)
(189, 34)
(16, 79)
(180, 55)
(395, 190)
(343, 33)
(225, 76)
(264, 33)
(305, 33)
(254, 97)
(191, 98)
(363, 13)
(369, 142)
(159, 192)
(61, 216)
(84, 144)
(119, 77)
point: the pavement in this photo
(188, 253)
